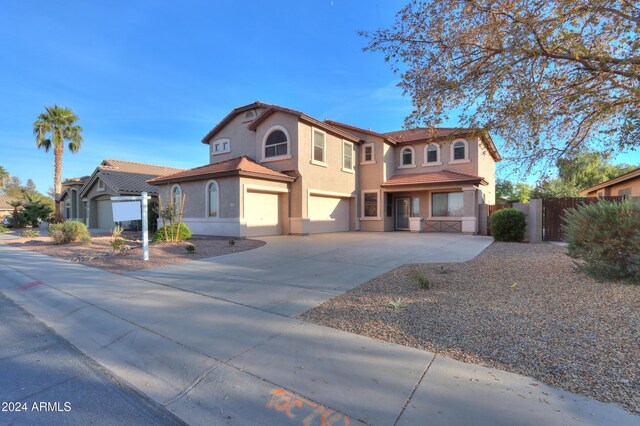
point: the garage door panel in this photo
(105, 214)
(262, 213)
(328, 214)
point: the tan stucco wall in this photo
(487, 170)
(242, 140)
(329, 177)
(612, 190)
(196, 197)
(445, 157)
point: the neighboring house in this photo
(5, 207)
(626, 185)
(88, 199)
(273, 170)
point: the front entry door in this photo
(402, 213)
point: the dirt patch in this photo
(517, 307)
(99, 254)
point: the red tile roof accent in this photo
(430, 178)
(361, 130)
(235, 166)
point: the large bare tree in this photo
(546, 76)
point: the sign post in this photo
(136, 208)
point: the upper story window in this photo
(221, 146)
(212, 199)
(460, 151)
(101, 186)
(276, 143)
(347, 156)
(432, 155)
(368, 154)
(407, 157)
(318, 154)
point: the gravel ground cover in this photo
(99, 254)
(517, 307)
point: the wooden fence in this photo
(553, 213)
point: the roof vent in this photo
(250, 114)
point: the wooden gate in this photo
(494, 208)
(553, 213)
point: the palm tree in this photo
(4, 176)
(16, 215)
(55, 127)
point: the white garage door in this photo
(262, 213)
(105, 214)
(328, 214)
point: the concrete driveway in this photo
(290, 275)
(214, 342)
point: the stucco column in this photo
(470, 209)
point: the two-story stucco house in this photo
(273, 170)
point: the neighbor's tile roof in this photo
(443, 134)
(4, 202)
(75, 180)
(430, 178)
(128, 176)
(635, 173)
(236, 166)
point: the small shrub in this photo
(606, 235)
(30, 233)
(508, 225)
(424, 282)
(185, 233)
(190, 248)
(3, 229)
(232, 242)
(63, 233)
(116, 241)
(397, 304)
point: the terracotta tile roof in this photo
(127, 176)
(431, 178)
(270, 109)
(4, 202)
(243, 166)
(75, 180)
(387, 138)
(442, 134)
(633, 174)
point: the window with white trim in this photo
(67, 206)
(213, 200)
(432, 154)
(370, 204)
(459, 151)
(407, 157)
(176, 198)
(368, 153)
(347, 156)
(101, 186)
(276, 143)
(319, 146)
(447, 204)
(221, 146)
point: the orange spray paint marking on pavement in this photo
(32, 284)
(285, 401)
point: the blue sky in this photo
(150, 78)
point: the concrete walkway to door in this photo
(234, 356)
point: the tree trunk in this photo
(57, 176)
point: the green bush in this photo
(3, 229)
(185, 233)
(508, 225)
(63, 233)
(30, 233)
(606, 235)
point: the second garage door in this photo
(262, 213)
(105, 214)
(328, 214)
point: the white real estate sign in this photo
(126, 210)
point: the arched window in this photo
(459, 151)
(212, 199)
(176, 198)
(432, 154)
(407, 157)
(276, 142)
(67, 208)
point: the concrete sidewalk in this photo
(216, 361)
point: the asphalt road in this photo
(46, 381)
